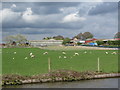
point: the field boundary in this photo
(58, 76)
(76, 48)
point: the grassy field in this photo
(39, 64)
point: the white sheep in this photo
(32, 56)
(65, 57)
(106, 53)
(26, 57)
(15, 52)
(63, 53)
(85, 52)
(76, 54)
(114, 53)
(45, 53)
(60, 57)
(13, 58)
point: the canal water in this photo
(97, 83)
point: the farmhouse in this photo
(90, 40)
(51, 42)
(87, 41)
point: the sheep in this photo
(85, 52)
(32, 56)
(63, 53)
(15, 52)
(106, 52)
(76, 54)
(26, 57)
(114, 53)
(45, 53)
(13, 58)
(60, 57)
(65, 57)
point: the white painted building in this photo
(38, 43)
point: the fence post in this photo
(98, 64)
(49, 68)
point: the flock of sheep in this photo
(64, 54)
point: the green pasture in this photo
(39, 64)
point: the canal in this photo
(97, 83)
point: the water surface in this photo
(97, 83)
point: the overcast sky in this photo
(36, 20)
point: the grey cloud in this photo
(106, 7)
(48, 23)
(40, 7)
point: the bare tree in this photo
(117, 35)
(84, 36)
(20, 39)
(9, 39)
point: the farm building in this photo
(51, 42)
(75, 40)
(106, 40)
(90, 40)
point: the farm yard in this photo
(20, 60)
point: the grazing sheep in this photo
(26, 57)
(45, 53)
(85, 52)
(13, 58)
(31, 54)
(65, 57)
(76, 54)
(114, 53)
(106, 53)
(63, 53)
(60, 57)
(15, 52)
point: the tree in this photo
(79, 36)
(87, 35)
(100, 42)
(9, 39)
(66, 40)
(47, 38)
(20, 39)
(117, 35)
(84, 36)
(59, 37)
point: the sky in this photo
(37, 20)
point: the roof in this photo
(117, 38)
(46, 40)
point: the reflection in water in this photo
(98, 83)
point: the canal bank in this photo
(96, 83)
(56, 76)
